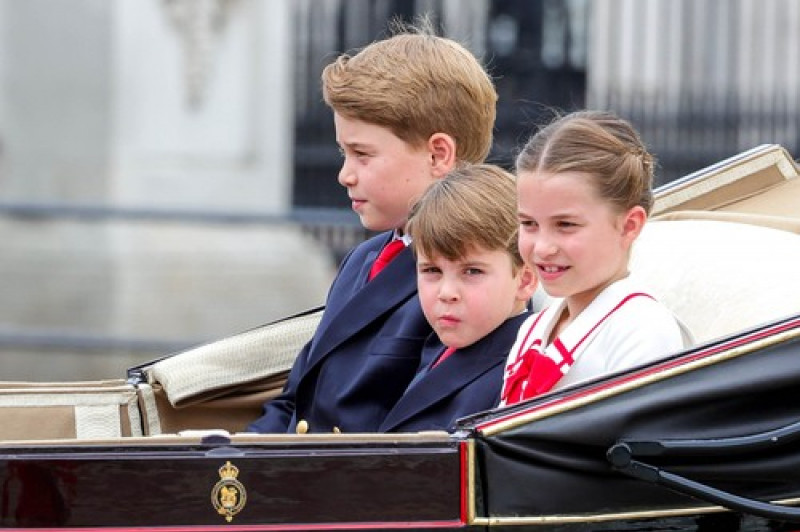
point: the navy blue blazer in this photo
(363, 354)
(467, 382)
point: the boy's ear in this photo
(442, 148)
(527, 283)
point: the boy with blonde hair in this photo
(474, 290)
(406, 110)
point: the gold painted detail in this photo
(229, 495)
(472, 511)
(604, 392)
(565, 519)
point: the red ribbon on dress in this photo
(533, 373)
(530, 375)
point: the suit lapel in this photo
(392, 287)
(455, 373)
(363, 273)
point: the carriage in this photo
(706, 439)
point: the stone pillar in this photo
(202, 104)
(55, 105)
(172, 105)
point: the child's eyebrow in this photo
(355, 145)
(478, 263)
(557, 216)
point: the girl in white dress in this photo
(584, 186)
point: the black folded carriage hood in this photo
(723, 416)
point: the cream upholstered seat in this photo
(719, 277)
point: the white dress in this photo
(621, 328)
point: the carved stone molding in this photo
(200, 25)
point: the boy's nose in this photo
(347, 178)
(448, 292)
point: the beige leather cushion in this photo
(253, 361)
(719, 277)
(231, 413)
(90, 409)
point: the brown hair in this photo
(416, 84)
(473, 206)
(598, 144)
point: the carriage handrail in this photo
(621, 457)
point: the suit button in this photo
(302, 426)
(337, 430)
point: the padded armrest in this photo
(253, 357)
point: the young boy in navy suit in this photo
(406, 109)
(474, 290)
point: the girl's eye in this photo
(528, 224)
(473, 271)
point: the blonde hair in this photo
(416, 83)
(601, 145)
(474, 206)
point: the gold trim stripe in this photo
(631, 382)
(472, 511)
(597, 518)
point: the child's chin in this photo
(375, 225)
(451, 341)
(446, 339)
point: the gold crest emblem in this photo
(228, 495)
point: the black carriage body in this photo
(550, 462)
(281, 483)
(538, 466)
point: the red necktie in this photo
(446, 353)
(386, 255)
